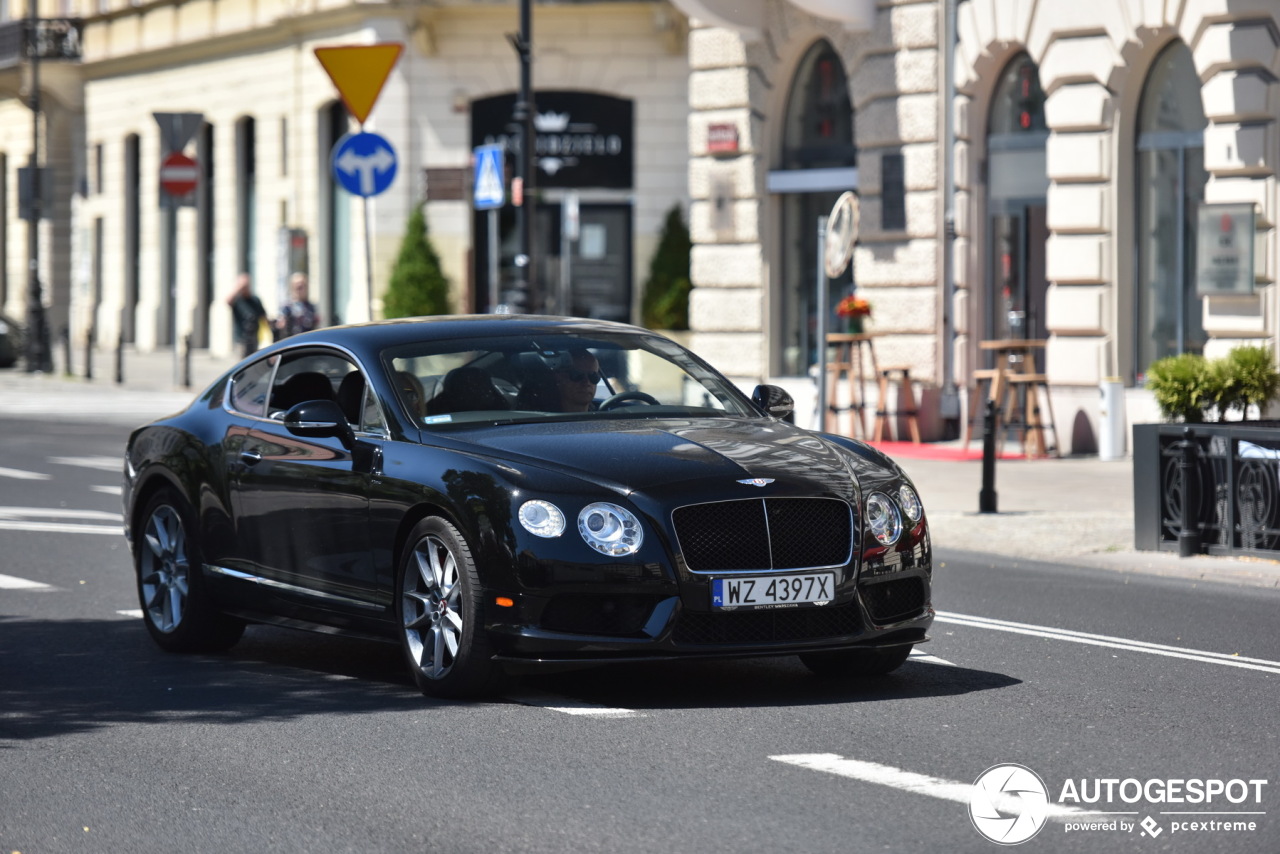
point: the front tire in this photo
(856, 662)
(440, 615)
(176, 607)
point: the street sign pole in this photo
(359, 72)
(493, 260)
(823, 299)
(836, 236)
(38, 355)
(178, 178)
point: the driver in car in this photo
(576, 381)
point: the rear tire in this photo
(856, 662)
(440, 615)
(177, 609)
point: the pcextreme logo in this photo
(1009, 804)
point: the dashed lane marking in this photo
(55, 520)
(570, 707)
(926, 658)
(909, 781)
(1221, 658)
(108, 490)
(115, 464)
(11, 582)
(19, 474)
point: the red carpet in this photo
(931, 451)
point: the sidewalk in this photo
(1076, 510)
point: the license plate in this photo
(773, 591)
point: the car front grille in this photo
(892, 601)
(788, 624)
(764, 534)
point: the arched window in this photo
(818, 145)
(1170, 184)
(1017, 188)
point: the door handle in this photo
(251, 457)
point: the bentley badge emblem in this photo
(757, 481)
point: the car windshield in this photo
(557, 376)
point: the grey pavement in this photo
(1075, 510)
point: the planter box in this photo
(1227, 474)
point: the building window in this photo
(246, 195)
(1170, 185)
(818, 136)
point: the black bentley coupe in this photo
(499, 493)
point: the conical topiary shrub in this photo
(418, 286)
(665, 303)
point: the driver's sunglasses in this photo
(576, 376)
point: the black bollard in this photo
(120, 359)
(65, 335)
(987, 497)
(89, 339)
(186, 362)
(1189, 533)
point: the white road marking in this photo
(100, 463)
(19, 474)
(909, 781)
(60, 528)
(108, 490)
(38, 519)
(136, 613)
(1222, 658)
(9, 582)
(570, 707)
(926, 658)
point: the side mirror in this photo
(319, 419)
(774, 400)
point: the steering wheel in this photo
(623, 397)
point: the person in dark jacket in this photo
(247, 314)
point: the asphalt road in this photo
(298, 742)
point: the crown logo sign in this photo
(551, 122)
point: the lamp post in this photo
(526, 212)
(37, 344)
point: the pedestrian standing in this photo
(300, 315)
(247, 314)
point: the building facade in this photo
(1066, 177)
(1098, 145)
(124, 266)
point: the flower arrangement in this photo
(854, 309)
(853, 306)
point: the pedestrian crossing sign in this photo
(489, 188)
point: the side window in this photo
(371, 420)
(250, 387)
(305, 376)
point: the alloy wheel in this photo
(431, 605)
(165, 569)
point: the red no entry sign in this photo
(178, 174)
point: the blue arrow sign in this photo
(489, 188)
(364, 163)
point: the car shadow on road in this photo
(67, 676)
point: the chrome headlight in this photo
(542, 518)
(910, 503)
(610, 529)
(883, 519)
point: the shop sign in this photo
(1224, 249)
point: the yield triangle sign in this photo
(489, 189)
(359, 71)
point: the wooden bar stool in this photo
(849, 364)
(1025, 392)
(899, 375)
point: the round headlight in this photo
(542, 518)
(610, 529)
(910, 502)
(883, 519)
